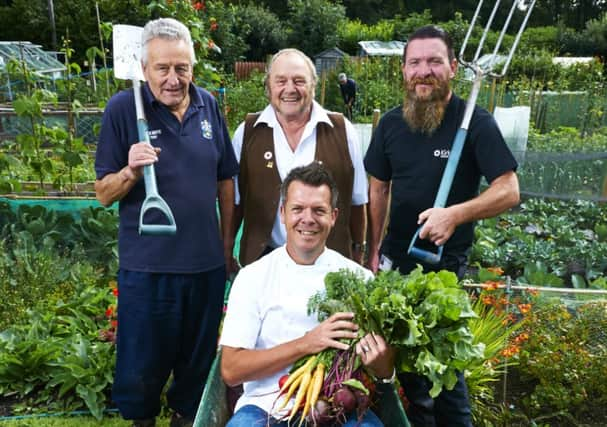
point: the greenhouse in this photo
(42, 63)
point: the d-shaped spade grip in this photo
(152, 198)
(423, 255)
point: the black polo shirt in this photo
(415, 162)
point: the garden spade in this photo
(127, 66)
(444, 188)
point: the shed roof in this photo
(379, 48)
(334, 52)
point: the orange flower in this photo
(522, 337)
(495, 270)
(533, 292)
(488, 300)
(211, 44)
(524, 308)
(491, 285)
(510, 351)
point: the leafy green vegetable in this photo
(423, 316)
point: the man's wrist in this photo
(389, 380)
(127, 174)
(359, 246)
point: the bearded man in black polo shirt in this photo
(405, 160)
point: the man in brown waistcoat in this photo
(294, 130)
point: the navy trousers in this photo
(451, 408)
(167, 324)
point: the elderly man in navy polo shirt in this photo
(171, 288)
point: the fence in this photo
(243, 69)
(86, 122)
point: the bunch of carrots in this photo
(327, 387)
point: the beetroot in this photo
(363, 401)
(320, 414)
(344, 398)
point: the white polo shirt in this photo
(287, 159)
(268, 307)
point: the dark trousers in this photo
(451, 408)
(167, 323)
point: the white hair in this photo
(307, 61)
(168, 29)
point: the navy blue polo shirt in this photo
(196, 154)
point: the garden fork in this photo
(440, 201)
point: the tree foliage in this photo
(313, 24)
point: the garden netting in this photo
(564, 176)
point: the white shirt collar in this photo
(319, 115)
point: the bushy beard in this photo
(425, 114)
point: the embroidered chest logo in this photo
(443, 154)
(153, 134)
(207, 130)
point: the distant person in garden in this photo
(267, 327)
(171, 288)
(347, 87)
(293, 131)
(405, 160)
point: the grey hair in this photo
(294, 51)
(167, 29)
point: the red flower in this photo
(198, 5)
(214, 26)
(115, 292)
(114, 323)
(109, 311)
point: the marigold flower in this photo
(522, 337)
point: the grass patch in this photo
(75, 421)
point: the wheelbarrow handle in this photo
(424, 255)
(152, 198)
